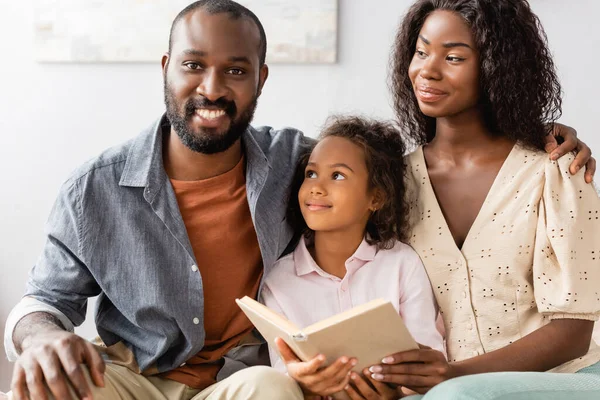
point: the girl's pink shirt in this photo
(301, 291)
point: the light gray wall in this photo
(54, 117)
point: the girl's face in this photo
(445, 67)
(335, 195)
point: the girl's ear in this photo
(378, 200)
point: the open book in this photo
(368, 332)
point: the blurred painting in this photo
(298, 31)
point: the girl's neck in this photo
(332, 249)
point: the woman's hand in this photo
(571, 143)
(418, 370)
(370, 389)
(312, 376)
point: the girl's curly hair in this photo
(384, 148)
(520, 91)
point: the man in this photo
(163, 228)
(168, 229)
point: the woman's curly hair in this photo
(520, 91)
(384, 148)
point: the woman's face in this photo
(444, 70)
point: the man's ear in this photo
(164, 62)
(263, 74)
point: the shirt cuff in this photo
(26, 306)
(587, 317)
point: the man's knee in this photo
(264, 383)
(98, 393)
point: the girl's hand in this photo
(370, 389)
(419, 370)
(312, 377)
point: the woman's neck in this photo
(332, 249)
(464, 138)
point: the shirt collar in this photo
(144, 165)
(305, 264)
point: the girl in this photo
(351, 204)
(509, 239)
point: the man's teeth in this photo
(210, 114)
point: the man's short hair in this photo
(235, 11)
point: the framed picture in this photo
(298, 31)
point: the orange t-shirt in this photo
(217, 218)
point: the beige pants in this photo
(253, 383)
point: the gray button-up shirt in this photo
(116, 231)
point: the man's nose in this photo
(212, 86)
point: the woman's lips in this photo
(429, 95)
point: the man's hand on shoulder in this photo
(52, 359)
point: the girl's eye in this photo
(338, 176)
(310, 174)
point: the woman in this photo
(508, 237)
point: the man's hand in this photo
(571, 143)
(52, 360)
(312, 377)
(419, 370)
(370, 389)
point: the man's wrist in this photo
(33, 326)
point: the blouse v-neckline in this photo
(502, 172)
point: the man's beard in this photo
(207, 140)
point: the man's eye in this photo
(193, 66)
(235, 71)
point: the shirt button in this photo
(475, 353)
(194, 268)
(182, 364)
(464, 294)
(196, 321)
(470, 327)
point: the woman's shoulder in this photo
(541, 162)
(413, 157)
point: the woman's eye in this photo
(454, 59)
(420, 54)
(338, 176)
